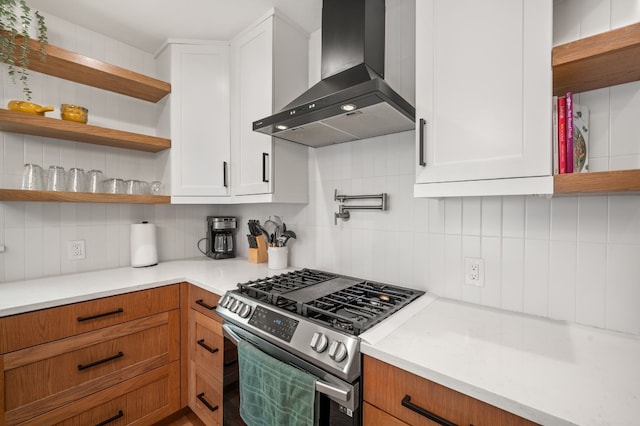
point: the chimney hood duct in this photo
(352, 101)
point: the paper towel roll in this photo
(144, 251)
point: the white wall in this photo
(568, 258)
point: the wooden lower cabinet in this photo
(113, 351)
(143, 400)
(206, 357)
(385, 387)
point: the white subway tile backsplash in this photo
(453, 265)
(536, 277)
(590, 284)
(564, 213)
(623, 291)
(592, 219)
(512, 274)
(492, 255)
(492, 216)
(453, 216)
(624, 219)
(538, 217)
(562, 282)
(471, 209)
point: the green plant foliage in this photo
(15, 21)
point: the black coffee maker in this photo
(220, 237)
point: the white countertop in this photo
(551, 372)
(217, 276)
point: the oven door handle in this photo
(322, 387)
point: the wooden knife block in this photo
(258, 255)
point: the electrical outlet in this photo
(474, 271)
(76, 250)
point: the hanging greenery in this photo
(15, 21)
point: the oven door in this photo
(339, 401)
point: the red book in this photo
(562, 135)
(569, 130)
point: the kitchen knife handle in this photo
(421, 161)
(206, 403)
(204, 305)
(111, 419)
(224, 174)
(117, 311)
(406, 402)
(265, 156)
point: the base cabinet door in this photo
(143, 400)
(483, 96)
(413, 400)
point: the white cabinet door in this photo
(199, 111)
(252, 54)
(483, 89)
(269, 69)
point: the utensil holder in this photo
(278, 257)
(258, 255)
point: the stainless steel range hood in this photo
(352, 101)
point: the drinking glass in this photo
(56, 180)
(95, 181)
(156, 187)
(32, 177)
(114, 186)
(76, 181)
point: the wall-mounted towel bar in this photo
(343, 210)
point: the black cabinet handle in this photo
(406, 402)
(206, 403)
(204, 305)
(265, 156)
(421, 161)
(111, 419)
(224, 174)
(102, 361)
(117, 311)
(207, 347)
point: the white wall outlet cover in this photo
(474, 271)
(76, 250)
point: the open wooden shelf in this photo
(80, 197)
(32, 124)
(92, 72)
(598, 61)
(621, 181)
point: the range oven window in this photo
(273, 323)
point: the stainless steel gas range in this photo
(312, 319)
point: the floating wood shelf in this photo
(621, 181)
(598, 61)
(31, 124)
(92, 72)
(80, 197)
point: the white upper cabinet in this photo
(269, 68)
(196, 117)
(483, 91)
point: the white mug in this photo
(278, 257)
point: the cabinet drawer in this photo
(206, 344)
(372, 416)
(204, 302)
(142, 400)
(385, 386)
(80, 365)
(205, 394)
(34, 328)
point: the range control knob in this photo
(235, 306)
(244, 311)
(225, 301)
(319, 342)
(337, 351)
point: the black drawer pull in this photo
(117, 311)
(111, 419)
(406, 402)
(102, 361)
(265, 157)
(207, 347)
(204, 305)
(206, 403)
(421, 161)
